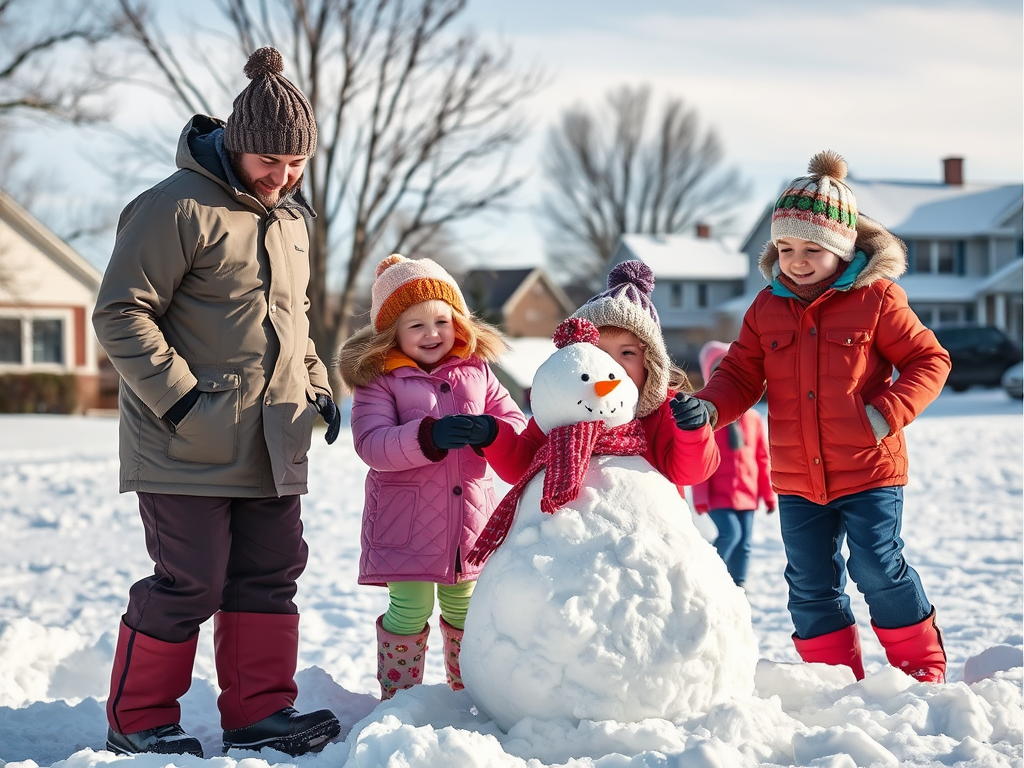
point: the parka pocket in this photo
(209, 432)
(391, 524)
(778, 350)
(846, 352)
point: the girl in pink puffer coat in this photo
(424, 405)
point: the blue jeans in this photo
(816, 571)
(733, 542)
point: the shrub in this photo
(38, 393)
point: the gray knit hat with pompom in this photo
(627, 304)
(271, 116)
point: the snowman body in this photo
(612, 608)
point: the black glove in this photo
(451, 432)
(180, 409)
(485, 429)
(331, 415)
(689, 412)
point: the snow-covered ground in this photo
(71, 546)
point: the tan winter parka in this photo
(207, 287)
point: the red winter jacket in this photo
(683, 457)
(823, 363)
(743, 478)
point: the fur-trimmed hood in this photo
(355, 372)
(887, 254)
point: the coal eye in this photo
(585, 377)
(611, 377)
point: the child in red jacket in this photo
(824, 338)
(680, 442)
(740, 484)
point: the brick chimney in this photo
(704, 231)
(953, 171)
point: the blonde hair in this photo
(677, 378)
(361, 358)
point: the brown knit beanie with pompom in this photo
(271, 116)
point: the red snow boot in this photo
(400, 659)
(256, 655)
(147, 679)
(917, 649)
(452, 647)
(839, 648)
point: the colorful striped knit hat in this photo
(819, 207)
(627, 304)
(402, 282)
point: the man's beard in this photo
(269, 201)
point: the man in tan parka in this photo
(202, 311)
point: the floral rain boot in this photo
(400, 659)
(452, 648)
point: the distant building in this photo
(694, 275)
(517, 367)
(964, 246)
(523, 302)
(47, 294)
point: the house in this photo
(47, 294)
(517, 367)
(694, 275)
(523, 302)
(964, 247)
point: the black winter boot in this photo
(286, 731)
(162, 740)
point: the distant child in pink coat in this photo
(424, 405)
(742, 481)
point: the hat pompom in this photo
(264, 61)
(390, 261)
(633, 272)
(576, 330)
(828, 163)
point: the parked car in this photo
(1013, 381)
(980, 354)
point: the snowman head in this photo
(580, 383)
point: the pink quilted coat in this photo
(421, 517)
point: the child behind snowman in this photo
(680, 442)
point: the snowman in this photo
(600, 600)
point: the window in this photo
(936, 257)
(10, 340)
(702, 294)
(676, 295)
(47, 341)
(32, 341)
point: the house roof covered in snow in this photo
(934, 209)
(685, 257)
(524, 358)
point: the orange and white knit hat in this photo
(402, 282)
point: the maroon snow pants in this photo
(213, 553)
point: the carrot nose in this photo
(604, 387)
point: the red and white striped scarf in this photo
(566, 455)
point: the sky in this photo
(72, 546)
(893, 86)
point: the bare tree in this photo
(416, 120)
(615, 171)
(35, 72)
(48, 54)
